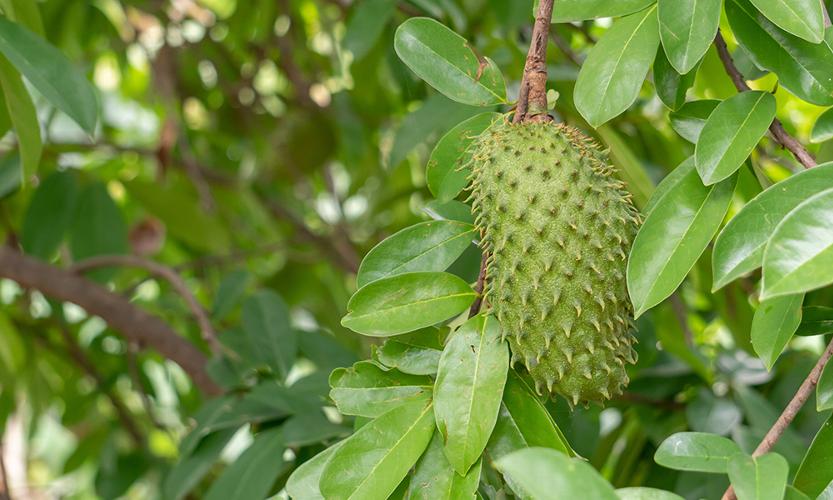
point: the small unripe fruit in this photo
(557, 227)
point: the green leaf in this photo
(541, 474)
(823, 128)
(369, 391)
(192, 467)
(446, 61)
(696, 451)
(448, 171)
(254, 471)
(23, 116)
(450, 210)
(435, 479)
(799, 255)
(674, 235)
(671, 86)
(824, 389)
(372, 462)
(759, 478)
(49, 215)
(98, 227)
(468, 389)
(802, 67)
(610, 78)
(816, 470)
(641, 493)
(816, 320)
(731, 133)
(266, 323)
(229, 293)
(792, 493)
(567, 11)
(774, 324)
(184, 219)
(802, 18)
(407, 302)
(303, 482)
(427, 246)
(687, 28)
(707, 413)
(690, 119)
(417, 353)
(312, 427)
(366, 24)
(739, 248)
(10, 178)
(52, 74)
(524, 422)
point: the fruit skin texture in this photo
(557, 227)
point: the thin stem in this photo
(532, 98)
(481, 285)
(776, 129)
(166, 273)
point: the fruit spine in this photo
(557, 228)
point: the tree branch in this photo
(166, 273)
(532, 98)
(135, 324)
(780, 135)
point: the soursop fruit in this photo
(557, 227)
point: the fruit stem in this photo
(532, 98)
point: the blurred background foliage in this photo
(260, 149)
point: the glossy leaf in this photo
(446, 61)
(816, 470)
(24, 117)
(802, 18)
(427, 246)
(417, 353)
(823, 128)
(468, 389)
(524, 422)
(610, 78)
(270, 334)
(671, 86)
(303, 482)
(435, 479)
(802, 67)
(51, 73)
(447, 172)
(824, 389)
(674, 235)
(731, 133)
(696, 451)
(799, 255)
(687, 28)
(191, 468)
(759, 478)
(254, 471)
(774, 324)
(367, 390)
(49, 214)
(816, 320)
(739, 248)
(690, 119)
(642, 493)
(372, 462)
(567, 11)
(542, 473)
(403, 303)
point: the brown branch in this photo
(532, 98)
(135, 324)
(166, 273)
(780, 135)
(481, 285)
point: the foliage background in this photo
(260, 149)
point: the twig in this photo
(564, 46)
(135, 324)
(481, 284)
(678, 306)
(532, 98)
(166, 273)
(776, 129)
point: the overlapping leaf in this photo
(367, 390)
(687, 29)
(774, 324)
(566, 11)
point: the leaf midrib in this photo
(409, 304)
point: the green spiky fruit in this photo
(557, 227)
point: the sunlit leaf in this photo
(687, 28)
